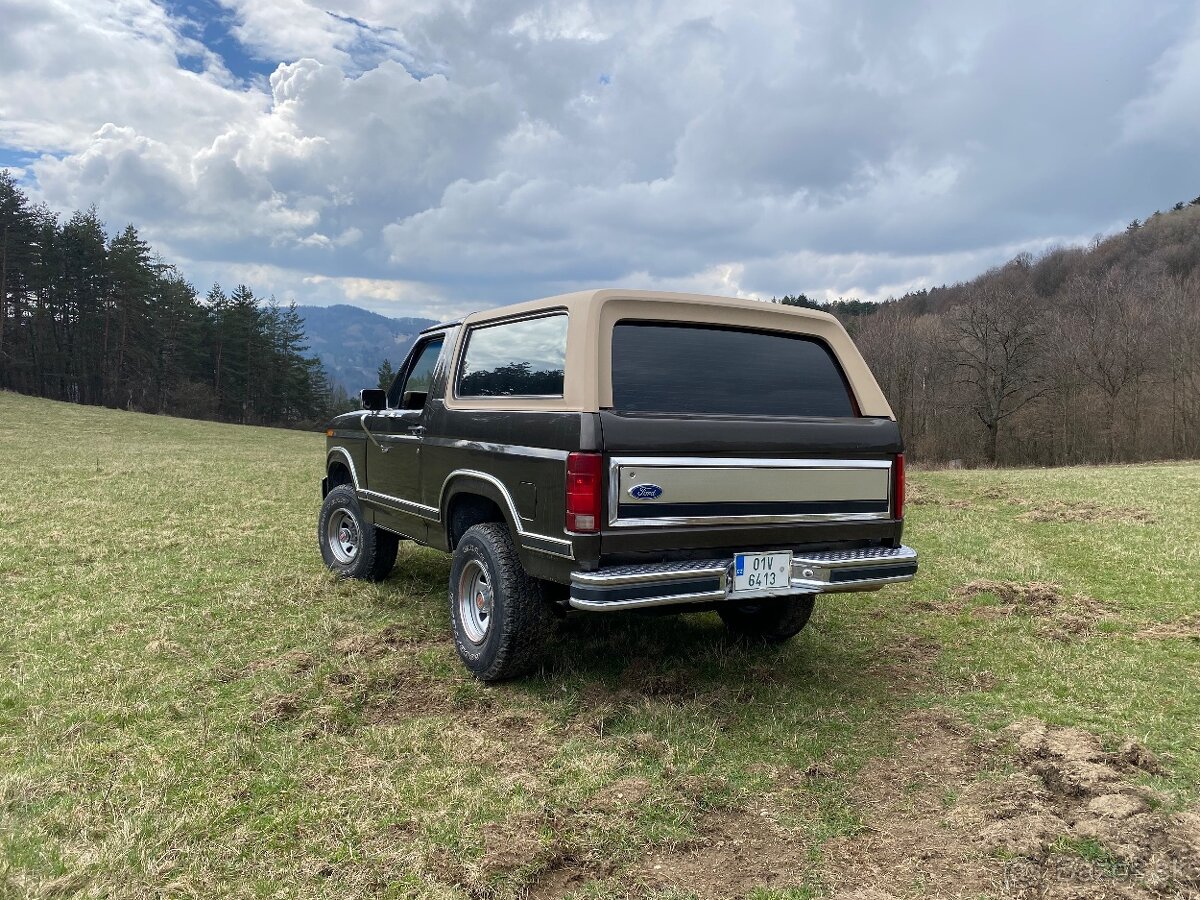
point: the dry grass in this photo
(191, 706)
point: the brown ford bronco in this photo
(613, 450)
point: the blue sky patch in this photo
(212, 25)
(375, 43)
(18, 159)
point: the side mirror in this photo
(373, 399)
(414, 399)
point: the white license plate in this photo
(754, 572)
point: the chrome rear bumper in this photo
(709, 581)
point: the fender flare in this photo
(472, 481)
(343, 455)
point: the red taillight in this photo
(898, 487)
(584, 485)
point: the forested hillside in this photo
(352, 342)
(1086, 354)
(103, 321)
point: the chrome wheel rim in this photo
(475, 601)
(343, 536)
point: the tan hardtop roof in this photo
(593, 313)
(596, 296)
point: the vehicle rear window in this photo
(523, 358)
(699, 369)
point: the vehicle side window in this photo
(414, 391)
(524, 358)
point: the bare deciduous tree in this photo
(1109, 338)
(998, 346)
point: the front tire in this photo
(350, 545)
(772, 619)
(498, 613)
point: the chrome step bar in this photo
(711, 581)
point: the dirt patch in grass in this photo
(643, 678)
(1084, 511)
(547, 850)
(737, 851)
(294, 662)
(1068, 511)
(1187, 628)
(514, 844)
(918, 495)
(1044, 812)
(643, 682)
(998, 492)
(1064, 616)
(278, 708)
(621, 794)
(406, 694)
(381, 643)
(1030, 598)
(550, 853)
(362, 644)
(902, 843)
(164, 647)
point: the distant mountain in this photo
(352, 342)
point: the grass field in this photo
(191, 706)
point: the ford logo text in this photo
(645, 492)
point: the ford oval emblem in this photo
(645, 492)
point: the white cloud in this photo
(1167, 110)
(439, 156)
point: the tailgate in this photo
(783, 481)
(650, 490)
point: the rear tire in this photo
(350, 545)
(498, 613)
(771, 619)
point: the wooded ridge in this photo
(94, 320)
(1082, 355)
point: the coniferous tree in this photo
(386, 375)
(17, 251)
(89, 319)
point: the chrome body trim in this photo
(735, 462)
(652, 574)
(567, 551)
(691, 581)
(408, 506)
(501, 449)
(841, 559)
(816, 571)
(674, 600)
(345, 454)
(616, 463)
(748, 520)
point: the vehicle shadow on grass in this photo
(615, 663)
(685, 656)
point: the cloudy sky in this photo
(425, 157)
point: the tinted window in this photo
(522, 358)
(420, 377)
(723, 371)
